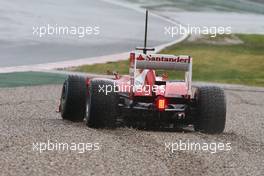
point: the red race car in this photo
(143, 99)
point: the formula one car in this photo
(144, 99)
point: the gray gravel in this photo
(27, 116)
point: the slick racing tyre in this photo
(73, 98)
(102, 106)
(211, 110)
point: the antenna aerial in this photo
(145, 49)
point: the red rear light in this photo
(161, 103)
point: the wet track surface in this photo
(120, 30)
(28, 116)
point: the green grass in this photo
(251, 6)
(30, 79)
(236, 64)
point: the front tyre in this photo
(211, 110)
(73, 98)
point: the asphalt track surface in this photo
(28, 116)
(121, 30)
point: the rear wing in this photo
(161, 61)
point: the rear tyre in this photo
(211, 110)
(73, 98)
(102, 107)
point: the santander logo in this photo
(163, 58)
